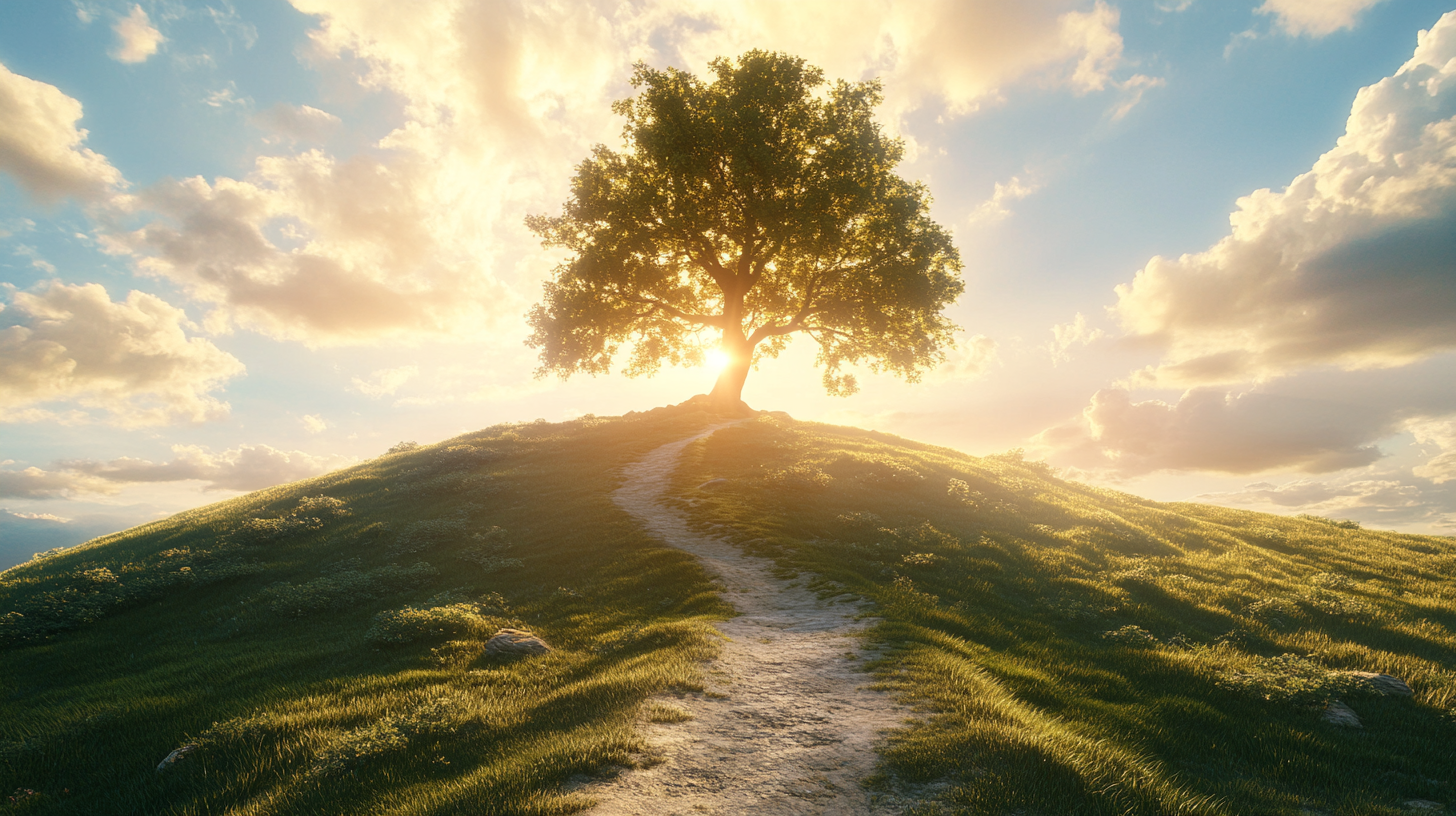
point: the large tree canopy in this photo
(760, 205)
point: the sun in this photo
(715, 360)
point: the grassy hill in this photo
(319, 647)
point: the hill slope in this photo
(1074, 650)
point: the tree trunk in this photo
(728, 390)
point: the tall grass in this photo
(1078, 650)
(319, 647)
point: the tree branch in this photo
(714, 321)
(796, 323)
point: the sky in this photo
(1209, 247)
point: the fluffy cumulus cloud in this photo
(998, 206)
(1316, 422)
(41, 147)
(246, 467)
(136, 37)
(319, 250)
(130, 362)
(971, 357)
(1439, 434)
(1210, 429)
(1315, 18)
(1384, 499)
(1067, 336)
(959, 54)
(34, 483)
(500, 101)
(1352, 265)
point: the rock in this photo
(1337, 713)
(1388, 685)
(1423, 805)
(514, 641)
(175, 757)
(712, 484)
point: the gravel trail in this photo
(787, 725)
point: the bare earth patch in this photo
(787, 725)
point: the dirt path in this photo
(787, 725)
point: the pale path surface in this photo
(788, 725)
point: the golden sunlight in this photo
(715, 360)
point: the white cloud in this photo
(246, 467)
(314, 423)
(130, 361)
(385, 381)
(1133, 89)
(36, 261)
(1067, 335)
(971, 357)
(297, 122)
(136, 37)
(1316, 18)
(1351, 265)
(34, 483)
(958, 53)
(995, 208)
(225, 96)
(1318, 496)
(1379, 499)
(500, 101)
(323, 251)
(1212, 430)
(1442, 434)
(41, 147)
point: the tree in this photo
(761, 205)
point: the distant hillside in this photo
(319, 647)
(22, 536)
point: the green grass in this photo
(1070, 650)
(1076, 650)
(327, 656)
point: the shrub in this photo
(1343, 524)
(310, 515)
(95, 592)
(357, 747)
(800, 477)
(1290, 679)
(1131, 635)
(431, 621)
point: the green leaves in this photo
(761, 204)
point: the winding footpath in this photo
(787, 725)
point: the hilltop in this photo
(319, 647)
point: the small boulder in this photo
(712, 484)
(1337, 713)
(516, 642)
(175, 757)
(1424, 806)
(1384, 684)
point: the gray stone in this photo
(175, 757)
(1337, 713)
(515, 641)
(712, 484)
(1385, 684)
(1423, 806)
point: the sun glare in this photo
(715, 360)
